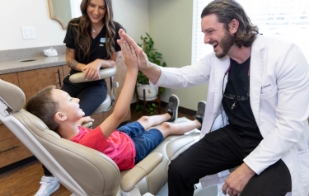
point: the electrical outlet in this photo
(28, 32)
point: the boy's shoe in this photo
(172, 107)
(48, 186)
(200, 112)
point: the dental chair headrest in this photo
(12, 96)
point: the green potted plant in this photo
(151, 92)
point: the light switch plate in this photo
(28, 32)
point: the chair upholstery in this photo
(82, 170)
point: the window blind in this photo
(75, 8)
(199, 49)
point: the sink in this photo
(27, 60)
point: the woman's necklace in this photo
(96, 30)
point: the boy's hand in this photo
(142, 59)
(151, 70)
(85, 119)
(128, 55)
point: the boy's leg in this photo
(146, 142)
(181, 128)
(170, 115)
(167, 128)
(150, 121)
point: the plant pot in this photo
(151, 92)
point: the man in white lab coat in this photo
(256, 113)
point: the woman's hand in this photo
(91, 71)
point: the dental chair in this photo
(82, 170)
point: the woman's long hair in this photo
(226, 11)
(83, 28)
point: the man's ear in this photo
(233, 26)
(60, 117)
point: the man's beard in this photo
(226, 43)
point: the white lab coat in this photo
(279, 97)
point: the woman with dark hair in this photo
(90, 46)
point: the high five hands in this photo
(142, 60)
(128, 55)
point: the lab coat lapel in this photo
(220, 69)
(256, 76)
(214, 97)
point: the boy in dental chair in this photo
(126, 145)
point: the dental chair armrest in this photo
(104, 73)
(139, 171)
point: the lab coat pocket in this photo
(268, 94)
(303, 164)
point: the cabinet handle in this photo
(10, 148)
(58, 72)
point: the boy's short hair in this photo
(44, 107)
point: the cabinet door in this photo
(11, 151)
(11, 77)
(5, 133)
(33, 81)
(66, 70)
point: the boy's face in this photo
(67, 106)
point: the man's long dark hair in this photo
(226, 11)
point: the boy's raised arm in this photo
(123, 103)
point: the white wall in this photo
(132, 14)
(171, 28)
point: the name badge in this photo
(102, 40)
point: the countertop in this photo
(39, 62)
